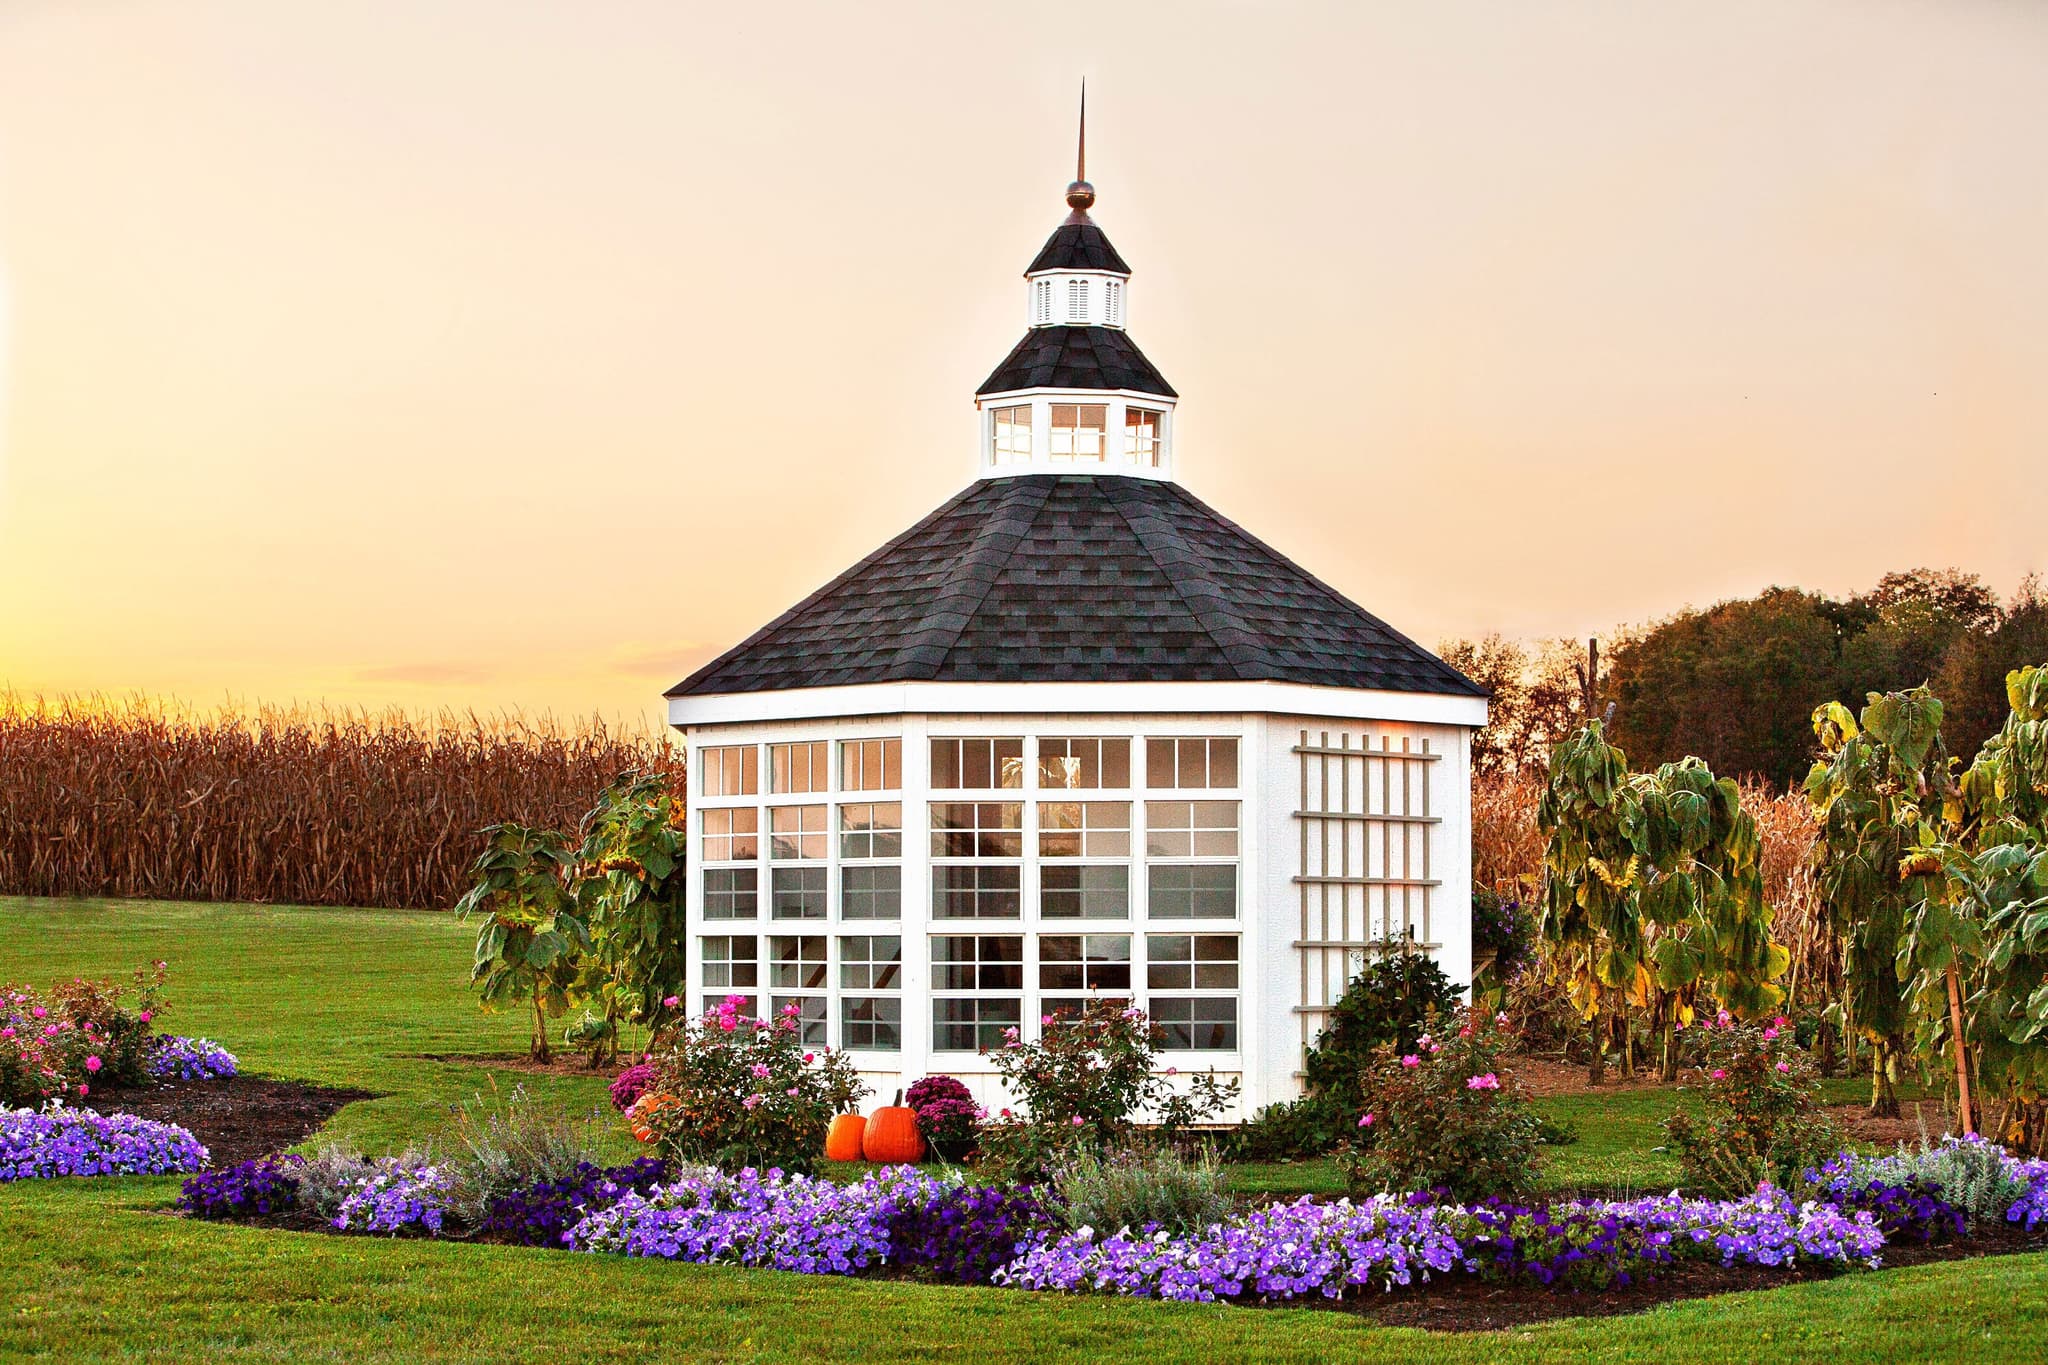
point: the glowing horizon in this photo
(498, 356)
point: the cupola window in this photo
(1113, 302)
(1041, 302)
(1080, 432)
(1077, 300)
(1142, 437)
(1010, 435)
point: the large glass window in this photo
(871, 765)
(1191, 829)
(1079, 434)
(871, 962)
(977, 829)
(977, 764)
(797, 893)
(871, 1023)
(730, 963)
(871, 829)
(1010, 435)
(871, 892)
(1084, 891)
(732, 836)
(1085, 763)
(1142, 441)
(799, 767)
(974, 1023)
(796, 962)
(796, 832)
(978, 962)
(729, 770)
(982, 968)
(1178, 761)
(977, 891)
(1192, 891)
(732, 892)
(1193, 963)
(1084, 962)
(1084, 829)
(1196, 1024)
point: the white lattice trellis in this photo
(1365, 828)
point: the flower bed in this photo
(45, 1144)
(903, 1220)
(191, 1059)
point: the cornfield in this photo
(300, 806)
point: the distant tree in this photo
(1534, 699)
(1903, 630)
(1971, 680)
(1962, 597)
(1735, 684)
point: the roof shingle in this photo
(1075, 578)
(1077, 245)
(1064, 357)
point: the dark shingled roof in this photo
(1075, 578)
(1077, 246)
(1076, 358)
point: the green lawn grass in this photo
(94, 1270)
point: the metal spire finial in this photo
(1081, 194)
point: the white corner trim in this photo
(930, 698)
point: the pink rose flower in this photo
(760, 1072)
(810, 1057)
(92, 1064)
(1366, 1122)
(1769, 1034)
(1077, 1120)
(146, 1016)
(1719, 1074)
(1784, 1066)
(83, 1090)
(1487, 1082)
(670, 1002)
(791, 1092)
(39, 1012)
(751, 1102)
(1411, 1061)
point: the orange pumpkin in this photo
(892, 1138)
(843, 1140)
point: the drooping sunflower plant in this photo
(1653, 893)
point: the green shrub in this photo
(1310, 1126)
(1762, 1116)
(1390, 1003)
(1443, 1117)
(1141, 1188)
(331, 1172)
(499, 1152)
(1974, 1175)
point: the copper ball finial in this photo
(1080, 195)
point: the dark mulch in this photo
(239, 1119)
(1462, 1303)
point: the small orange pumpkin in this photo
(843, 1140)
(892, 1137)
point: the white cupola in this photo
(1076, 396)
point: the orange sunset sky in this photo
(509, 354)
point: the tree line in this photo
(1735, 684)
